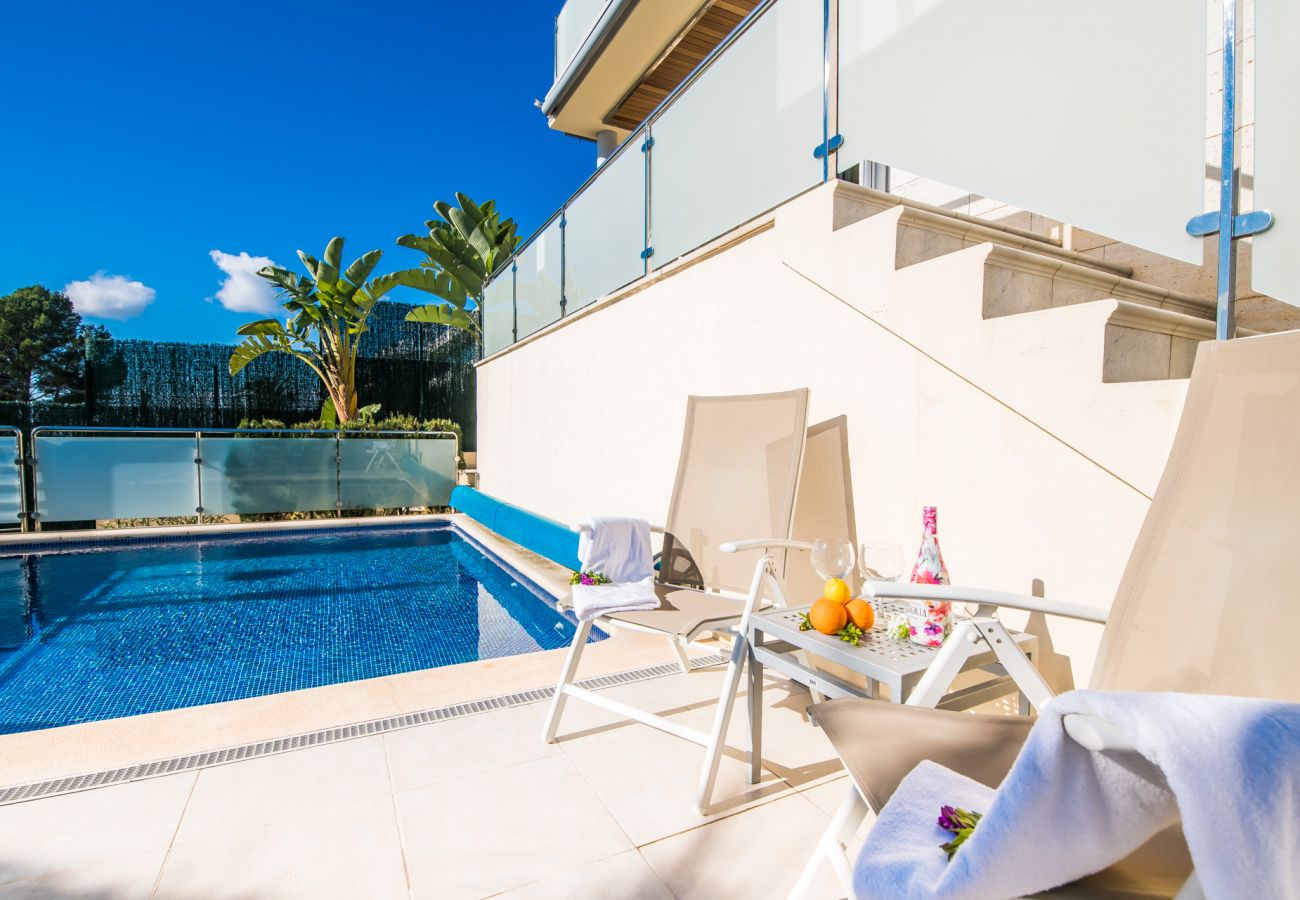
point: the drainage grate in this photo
(39, 789)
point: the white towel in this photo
(619, 549)
(1231, 767)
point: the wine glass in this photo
(881, 561)
(832, 558)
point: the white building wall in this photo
(586, 418)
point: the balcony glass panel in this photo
(1275, 263)
(572, 26)
(269, 474)
(84, 478)
(604, 231)
(537, 281)
(1090, 113)
(498, 313)
(398, 471)
(740, 139)
(11, 485)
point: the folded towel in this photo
(1229, 766)
(593, 601)
(619, 549)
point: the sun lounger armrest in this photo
(763, 544)
(1097, 734)
(903, 591)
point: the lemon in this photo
(836, 590)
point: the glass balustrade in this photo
(1046, 106)
(1276, 185)
(604, 230)
(498, 317)
(739, 140)
(386, 473)
(264, 474)
(11, 485)
(81, 478)
(537, 280)
(96, 477)
(572, 26)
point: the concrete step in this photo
(926, 232)
(1018, 281)
(1144, 343)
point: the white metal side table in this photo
(775, 641)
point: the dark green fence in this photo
(422, 370)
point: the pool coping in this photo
(36, 790)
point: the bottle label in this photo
(929, 622)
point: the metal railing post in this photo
(198, 474)
(1225, 221)
(647, 149)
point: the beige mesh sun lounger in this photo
(1207, 604)
(728, 529)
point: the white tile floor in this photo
(475, 807)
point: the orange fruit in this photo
(836, 590)
(860, 613)
(828, 616)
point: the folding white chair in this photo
(735, 491)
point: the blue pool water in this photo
(129, 628)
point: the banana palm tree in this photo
(461, 251)
(327, 316)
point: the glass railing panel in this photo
(740, 139)
(84, 478)
(386, 473)
(604, 229)
(498, 317)
(537, 281)
(1276, 186)
(11, 482)
(269, 474)
(572, 26)
(1012, 99)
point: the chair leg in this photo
(721, 720)
(679, 650)
(833, 846)
(567, 676)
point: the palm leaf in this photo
(444, 314)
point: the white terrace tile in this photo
(647, 779)
(758, 853)
(446, 750)
(286, 787)
(124, 878)
(485, 833)
(791, 746)
(626, 876)
(64, 833)
(346, 852)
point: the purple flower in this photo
(587, 579)
(933, 628)
(948, 819)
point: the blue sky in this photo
(148, 145)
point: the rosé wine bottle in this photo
(929, 621)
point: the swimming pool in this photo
(118, 629)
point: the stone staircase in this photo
(1070, 342)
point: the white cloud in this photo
(109, 296)
(242, 290)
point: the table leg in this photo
(755, 717)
